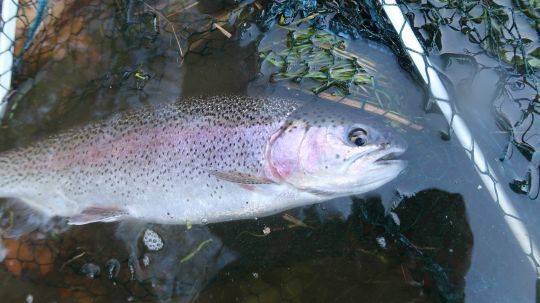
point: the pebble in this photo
(146, 261)
(90, 270)
(395, 218)
(382, 242)
(152, 240)
(113, 268)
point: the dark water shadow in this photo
(368, 257)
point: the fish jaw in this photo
(363, 173)
(380, 171)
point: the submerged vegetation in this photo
(488, 24)
(319, 56)
(349, 19)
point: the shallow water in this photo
(432, 235)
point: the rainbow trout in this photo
(204, 160)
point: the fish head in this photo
(334, 159)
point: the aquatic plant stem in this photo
(172, 28)
(222, 30)
(196, 251)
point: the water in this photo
(432, 235)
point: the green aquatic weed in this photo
(321, 57)
(196, 251)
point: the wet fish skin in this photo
(201, 160)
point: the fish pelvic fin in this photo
(97, 214)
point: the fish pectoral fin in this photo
(241, 178)
(97, 214)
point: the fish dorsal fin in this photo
(241, 178)
(97, 214)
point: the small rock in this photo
(90, 270)
(146, 261)
(395, 218)
(131, 266)
(152, 240)
(382, 242)
(113, 268)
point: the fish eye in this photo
(358, 137)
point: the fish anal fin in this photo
(241, 178)
(97, 214)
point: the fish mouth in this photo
(376, 169)
(391, 154)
